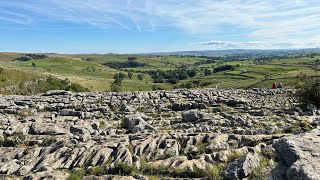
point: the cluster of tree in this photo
(315, 62)
(132, 58)
(89, 69)
(171, 76)
(224, 68)
(130, 74)
(312, 55)
(208, 61)
(198, 56)
(119, 76)
(308, 93)
(140, 76)
(46, 84)
(54, 83)
(28, 57)
(207, 72)
(131, 63)
(116, 86)
(87, 59)
(263, 58)
(23, 58)
(211, 58)
(37, 56)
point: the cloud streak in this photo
(235, 45)
(14, 17)
(254, 45)
(262, 20)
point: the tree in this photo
(192, 73)
(309, 92)
(224, 68)
(130, 59)
(116, 87)
(120, 76)
(207, 72)
(173, 81)
(87, 59)
(34, 64)
(140, 76)
(189, 85)
(118, 81)
(183, 76)
(24, 58)
(130, 74)
(37, 56)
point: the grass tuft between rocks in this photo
(211, 173)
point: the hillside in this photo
(97, 72)
(194, 131)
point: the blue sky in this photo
(137, 26)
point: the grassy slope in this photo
(80, 71)
(10, 78)
(250, 75)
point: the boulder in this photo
(83, 133)
(192, 115)
(135, 123)
(46, 129)
(69, 112)
(299, 156)
(242, 167)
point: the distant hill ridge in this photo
(236, 51)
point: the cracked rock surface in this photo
(299, 156)
(198, 133)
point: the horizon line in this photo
(162, 52)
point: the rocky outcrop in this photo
(174, 134)
(135, 123)
(299, 157)
(191, 116)
(242, 167)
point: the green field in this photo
(94, 73)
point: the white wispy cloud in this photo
(295, 23)
(236, 45)
(14, 17)
(257, 44)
